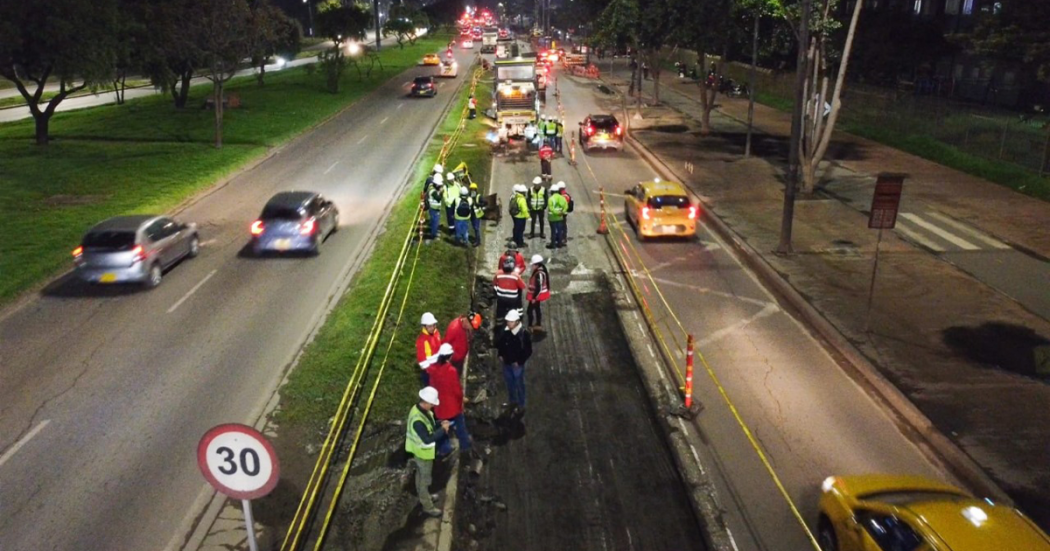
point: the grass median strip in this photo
(146, 156)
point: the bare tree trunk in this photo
(182, 95)
(218, 113)
(751, 89)
(40, 121)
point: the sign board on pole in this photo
(238, 461)
(885, 202)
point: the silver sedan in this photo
(134, 249)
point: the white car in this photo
(467, 43)
(448, 69)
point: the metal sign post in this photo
(884, 206)
(239, 462)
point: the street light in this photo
(310, 16)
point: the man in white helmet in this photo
(537, 198)
(538, 291)
(519, 212)
(451, 194)
(514, 348)
(463, 209)
(557, 208)
(421, 438)
(435, 203)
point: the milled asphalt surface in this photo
(106, 391)
(954, 328)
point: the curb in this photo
(934, 444)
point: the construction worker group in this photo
(455, 194)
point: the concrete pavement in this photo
(959, 309)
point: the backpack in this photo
(463, 208)
(515, 209)
(571, 202)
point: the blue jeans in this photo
(518, 231)
(459, 424)
(515, 376)
(461, 231)
(557, 231)
(476, 222)
(435, 223)
(450, 217)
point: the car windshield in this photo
(908, 497)
(116, 240)
(661, 201)
(422, 80)
(280, 212)
(607, 124)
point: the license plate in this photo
(107, 278)
(668, 229)
(282, 244)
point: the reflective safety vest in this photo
(508, 286)
(469, 208)
(523, 206)
(434, 199)
(479, 207)
(413, 443)
(549, 128)
(538, 198)
(451, 193)
(557, 207)
(559, 129)
(539, 287)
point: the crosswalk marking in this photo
(969, 231)
(919, 239)
(949, 237)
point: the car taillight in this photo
(645, 213)
(308, 227)
(619, 131)
(139, 252)
(692, 213)
(590, 130)
(257, 227)
(77, 252)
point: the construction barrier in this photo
(688, 364)
(603, 229)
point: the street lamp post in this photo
(310, 17)
(794, 157)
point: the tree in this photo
(172, 54)
(702, 30)
(225, 38)
(402, 29)
(340, 24)
(658, 19)
(69, 41)
(616, 29)
(1018, 31)
(272, 32)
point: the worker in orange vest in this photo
(515, 255)
(539, 290)
(509, 289)
(472, 104)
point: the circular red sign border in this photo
(202, 460)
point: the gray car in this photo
(134, 249)
(294, 221)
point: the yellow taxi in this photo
(660, 208)
(431, 59)
(911, 513)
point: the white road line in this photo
(400, 105)
(331, 167)
(384, 120)
(972, 232)
(696, 456)
(947, 236)
(732, 540)
(920, 239)
(207, 242)
(193, 290)
(651, 353)
(22, 442)
(362, 140)
(706, 291)
(770, 309)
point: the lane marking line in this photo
(191, 291)
(914, 236)
(362, 140)
(972, 232)
(22, 441)
(770, 309)
(400, 105)
(331, 167)
(384, 120)
(947, 236)
(732, 540)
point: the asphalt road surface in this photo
(808, 416)
(105, 392)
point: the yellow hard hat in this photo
(473, 185)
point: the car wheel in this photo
(335, 222)
(154, 277)
(195, 247)
(317, 245)
(826, 536)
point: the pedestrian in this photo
(570, 206)
(435, 202)
(546, 153)
(514, 347)
(429, 338)
(472, 104)
(430, 179)
(458, 335)
(557, 207)
(541, 130)
(539, 291)
(515, 255)
(478, 212)
(537, 199)
(559, 131)
(422, 433)
(519, 212)
(550, 130)
(509, 288)
(451, 194)
(445, 379)
(464, 209)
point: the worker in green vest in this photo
(537, 197)
(557, 207)
(519, 212)
(451, 195)
(422, 435)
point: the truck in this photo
(488, 42)
(504, 47)
(515, 94)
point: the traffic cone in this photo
(602, 228)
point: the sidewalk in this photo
(959, 350)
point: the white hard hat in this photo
(464, 191)
(438, 168)
(537, 180)
(513, 315)
(428, 319)
(439, 179)
(427, 362)
(450, 176)
(430, 396)
(445, 350)
(554, 188)
(560, 184)
(520, 188)
(543, 117)
(537, 259)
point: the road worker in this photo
(429, 338)
(463, 209)
(546, 153)
(445, 379)
(422, 434)
(570, 205)
(514, 347)
(472, 104)
(538, 291)
(451, 194)
(458, 335)
(435, 203)
(478, 213)
(509, 289)
(515, 255)
(557, 207)
(537, 198)
(519, 212)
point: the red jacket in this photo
(519, 262)
(427, 345)
(456, 336)
(546, 153)
(445, 379)
(508, 286)
(539, 285)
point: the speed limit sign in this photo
(238, 461)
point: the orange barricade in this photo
(603, 229)
(688, 372)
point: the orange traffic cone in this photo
(602, 228)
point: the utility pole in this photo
(310, 16)
(796, 131)
(751, 88)
(379, 28)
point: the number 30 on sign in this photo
(238, 461)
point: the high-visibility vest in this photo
(549, 128)
(451, 193)
(523, 206)
(508, 286)
(538, 198)
(470, 207)
(557, 207)
(473, 103)
(434, 199)
(479, 207)
(413, 443)
(538, 278)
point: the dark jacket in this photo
(514, 348)
(421, 428)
